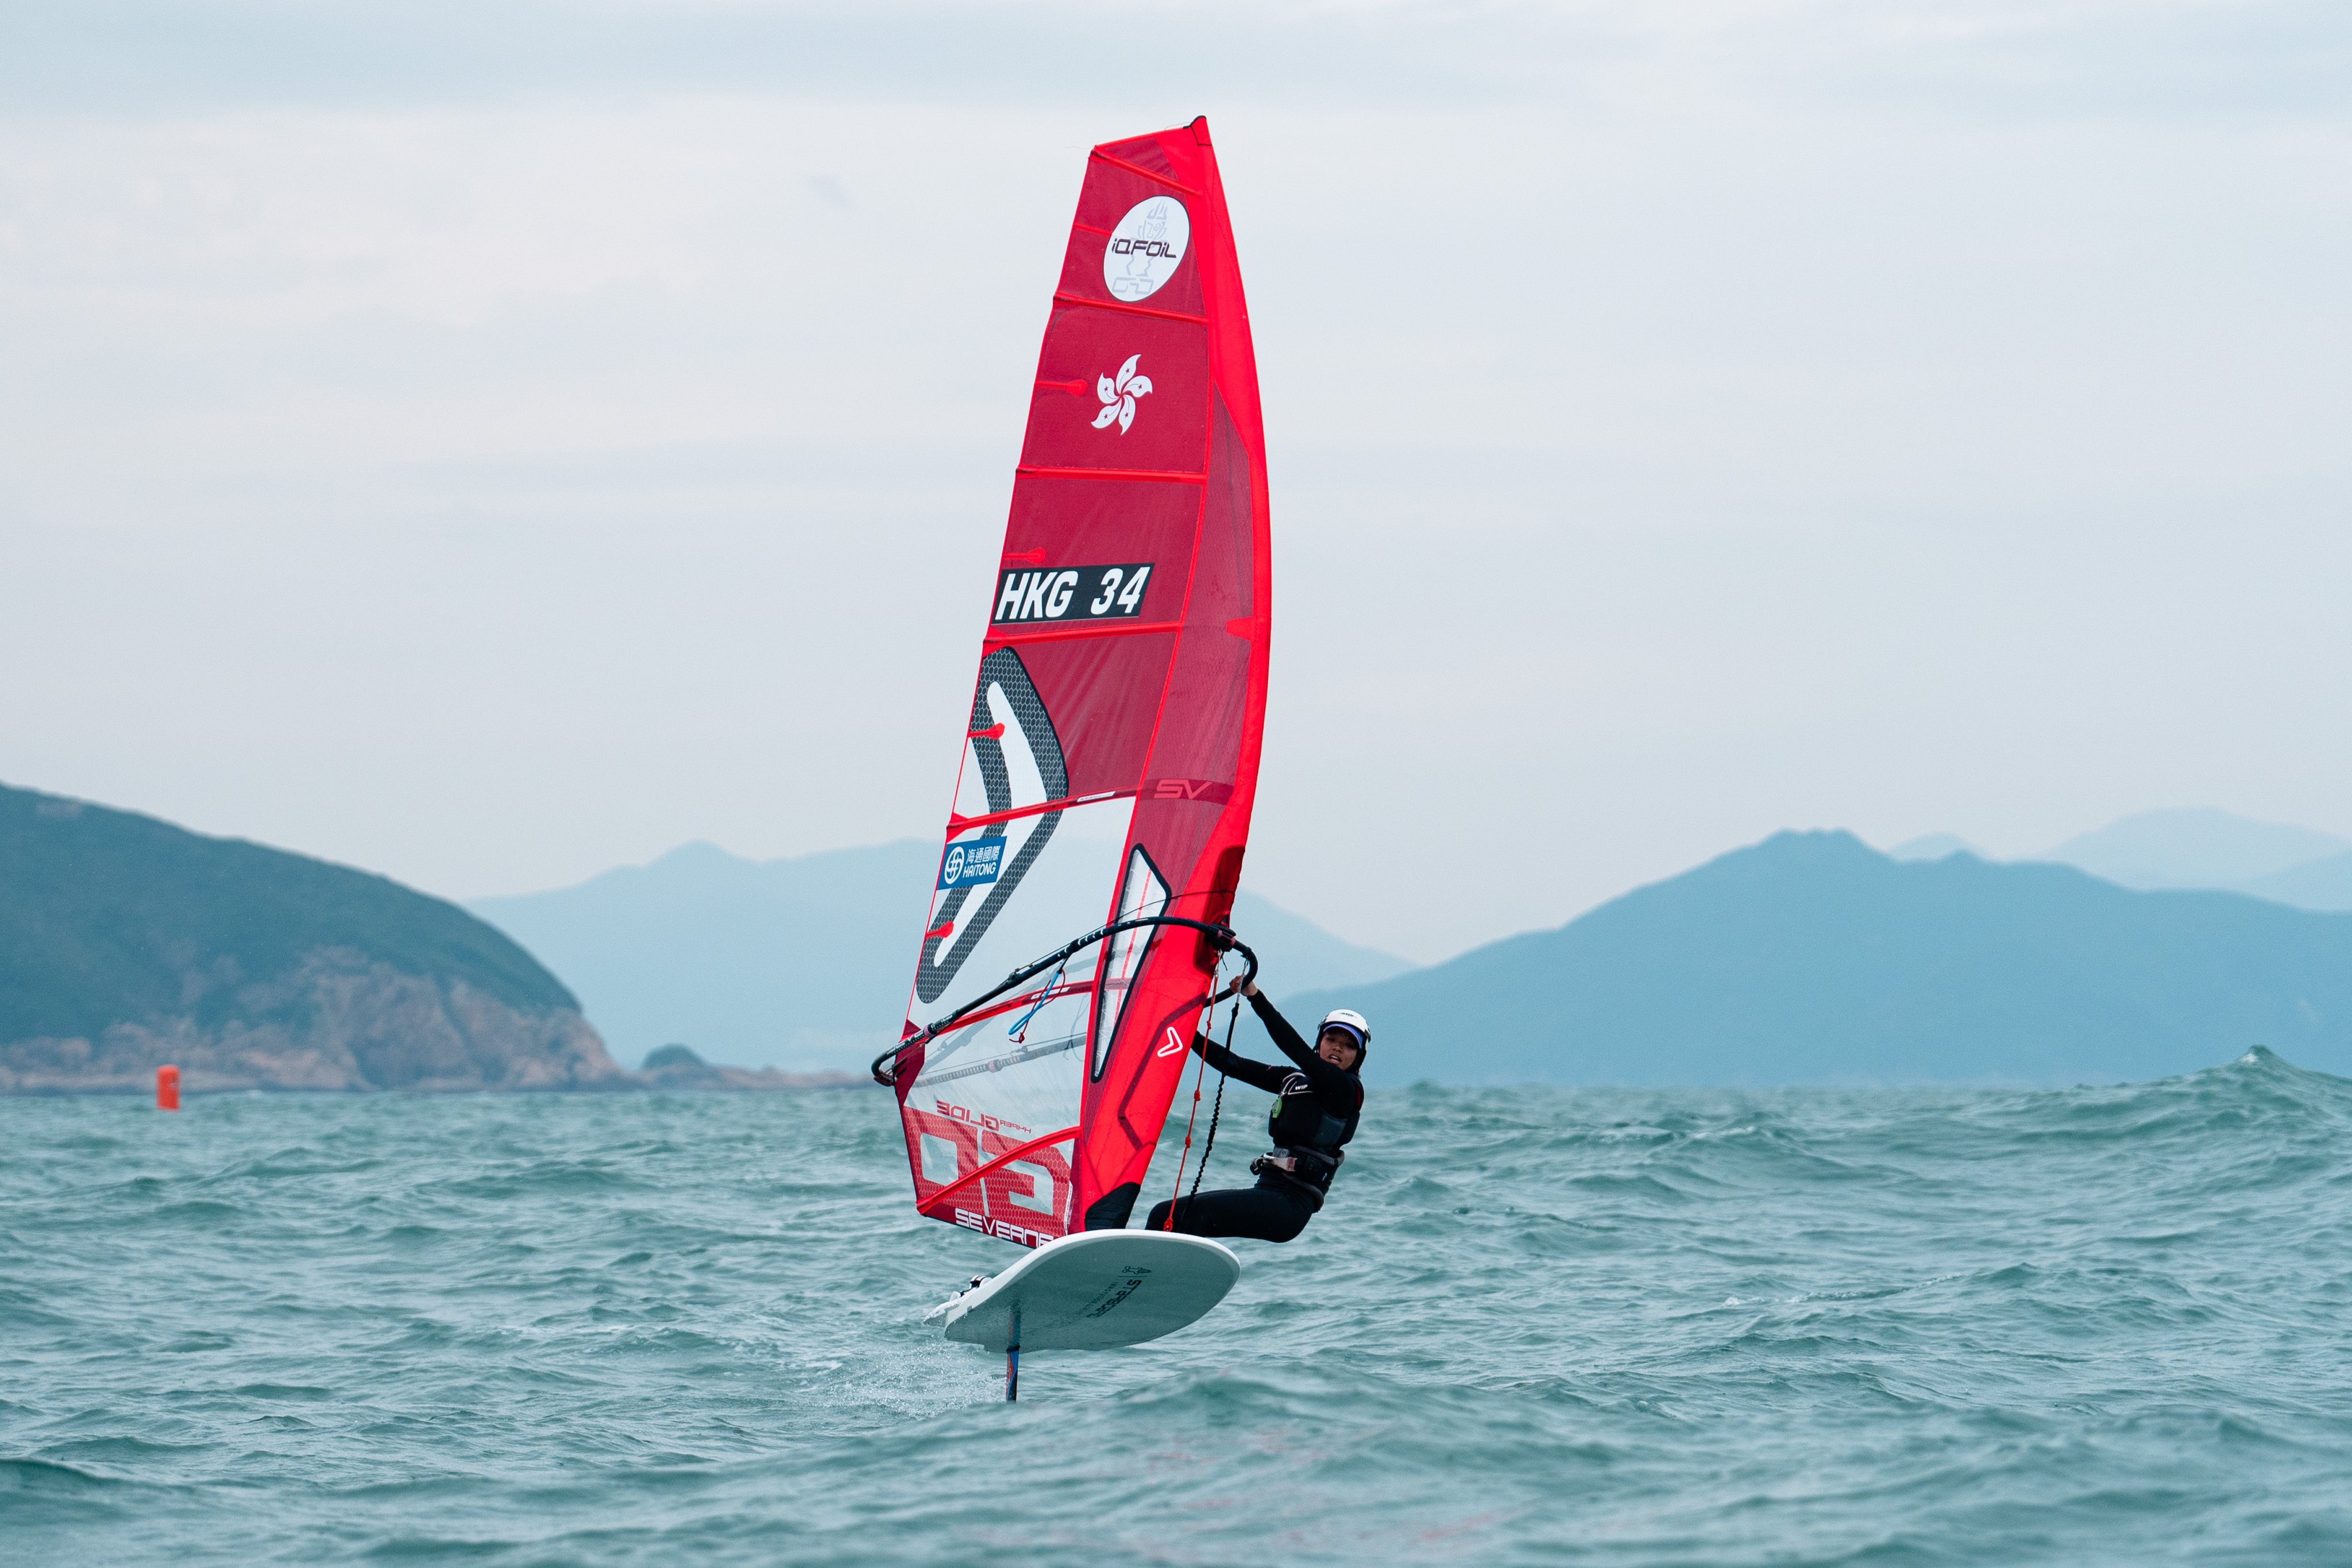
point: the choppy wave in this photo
(1884, 1326)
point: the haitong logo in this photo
(1118, 394)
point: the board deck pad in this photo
(1096, 1290)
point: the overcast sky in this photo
(490, 443)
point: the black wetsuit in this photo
(1315, 1114)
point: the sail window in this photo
(940, 1165)
(1141, 892)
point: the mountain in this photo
(1295, 954)
(1812, 958)
(126, 942)
(2194, 847)
(799, 961)
(803, 961)
(2314, 885)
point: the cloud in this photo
(489, 443)
(2132, 59)
(157, 56)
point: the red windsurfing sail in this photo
(1111, 757)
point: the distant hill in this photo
(2197, 848)
(1812, 958)
(677, 1066)
(1295, 954)
(802, 963)
(2314, 885)
(126, 942)
(1933, 847)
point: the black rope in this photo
(1218, 1108)
(885, 1065)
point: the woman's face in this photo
(1337, 1046)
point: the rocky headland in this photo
(127, 942)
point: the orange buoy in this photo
(167, 1089)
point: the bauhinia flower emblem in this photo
(1118, 396)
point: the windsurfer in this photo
(1315, 1111)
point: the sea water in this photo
(1890, 1326)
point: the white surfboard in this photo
(1093, 1289)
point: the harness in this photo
(1308, 1171)
(1306, 1151)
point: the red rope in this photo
(1177, 1191)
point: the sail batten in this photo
(1076, 634)
(1110, 763)
(1146, 476)
(1131, 310)
(1118, 162)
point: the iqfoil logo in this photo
(1146, 247)
(971, 863)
